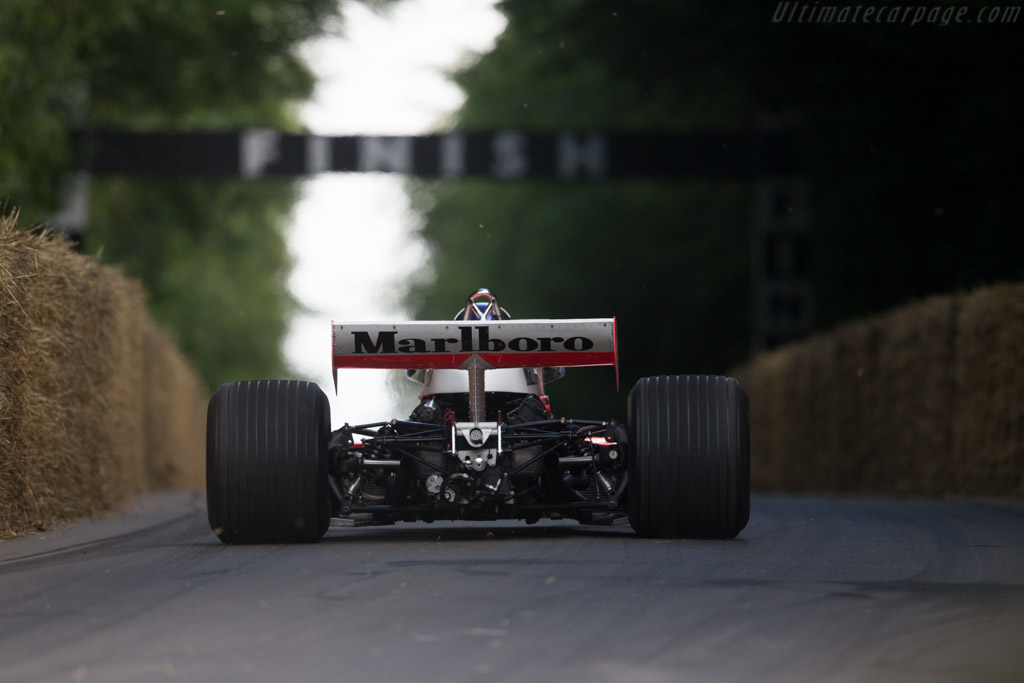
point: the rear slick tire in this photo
(689, 457)
(266, 462)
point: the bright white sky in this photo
(353, 236)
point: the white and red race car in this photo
(482, 444)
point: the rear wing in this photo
(465, 344)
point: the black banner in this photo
(506, 154)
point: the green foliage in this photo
(140, 64)
(200, 64)
(911, 144)
(210, 252)
(39, 87)
(214, 262)
(601, 64)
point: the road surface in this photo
(815, 589)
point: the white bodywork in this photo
(512, 380)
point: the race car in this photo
(483, 443)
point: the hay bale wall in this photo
(75, 407)
(174, 420)
(925, 400)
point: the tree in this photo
(214, 261)
(211, 253)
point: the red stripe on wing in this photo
(401, 361)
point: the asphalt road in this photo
(813, 590)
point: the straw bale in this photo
(925, 400)
(988, 439)
(785, 452)
(800, 420)
(175, 415)
(71, 348)
(96, 404)
(852, 392)
(767, 456)
(914, 424)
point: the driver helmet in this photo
(482, 305)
